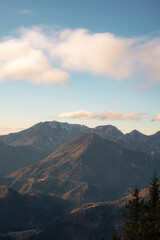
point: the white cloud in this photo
(106, 115)
(121, 116)
(77, 114)
(106, 54)
(157, 117)
(147, 57)
(36, 38)
(20, 61)
(42, 55)
(96, 53)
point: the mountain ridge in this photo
(87, 168)
(48, 136)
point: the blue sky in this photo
(88, 62)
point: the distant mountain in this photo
(86, 169)
(149, 144)
(18, 211)
(153, 143)
(12, 158)
(108, 132)
(133, 140)
(136, 136)
(48, 136)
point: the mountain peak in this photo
(88, 137)
(108, 132)
(136, 132)
(78, 145)
(109, 127)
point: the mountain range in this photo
(100, 164)
(85, 169)
(53, 167)
(48, 136)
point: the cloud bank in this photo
(157, 117)
(20, 61)
(106, 115)
(42, 55)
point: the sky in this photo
(91, 62)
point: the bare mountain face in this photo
(12, 158)
(48, 136)
(86, 169)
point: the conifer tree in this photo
(142, 218)
(154, 194)
(150, 219)
(132, 215)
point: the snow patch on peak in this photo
(56, 125)
(66, 126)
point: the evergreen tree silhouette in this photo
(142, 218)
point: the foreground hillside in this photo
(45, 218)
(90, 221)
(86, 169)
(18, 211)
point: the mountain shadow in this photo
(21, 211)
